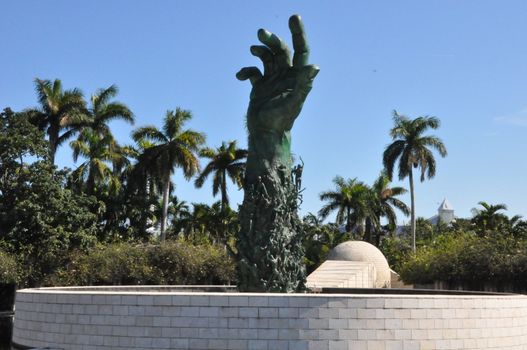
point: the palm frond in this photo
(150, 133)
(390, 156)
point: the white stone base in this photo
(115, 319)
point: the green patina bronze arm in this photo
(269, 250)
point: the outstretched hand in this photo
(278, 94)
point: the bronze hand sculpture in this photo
(270, 256)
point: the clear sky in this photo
(462, 61)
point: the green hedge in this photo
(465, 260)
(8, 268)
(173, 262)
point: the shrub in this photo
(467, 261)
(180, 262)
(130, 264)
(8, 269)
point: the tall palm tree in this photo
(171, 147)
(60, 111)
(385, 201)
(350, 199)
(102, 111)
(225, 161)
(413, 150)
(96, 142)
(489, 218)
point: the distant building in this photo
(445, 214)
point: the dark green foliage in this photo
(397, 251)
(47, 221)
(40, 220)
(471, 262)
(206, 224)
(180, 262)
(174, 262)
(9, 272)
(319, 239)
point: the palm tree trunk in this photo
(224, 200)
(90, 182)
(348, 221)
(368, 235)
(412, 213)
(53, 134)
(166, 191)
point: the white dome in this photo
(365, 252)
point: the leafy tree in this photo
(40, 220)
(172, 147)
(397, 250)
(225, 161)
(413, 150)
(61, 112)
(49, 220)
(19, 139)
(489, 218)
(351, 199)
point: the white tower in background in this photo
(446, 212)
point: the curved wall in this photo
(114, 319)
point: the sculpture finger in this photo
(251, 73)
(278, 47)
(265, 54)
(301, 55)
(305, 82)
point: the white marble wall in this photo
(120, 320)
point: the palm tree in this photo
(60, 111)
(171, 147)
(96, 142)
(351, 200)
(225, 161)
(385, 201)
(102, 111)
(489, 218)
(412, 149)
(104, 160)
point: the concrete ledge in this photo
(118, 319)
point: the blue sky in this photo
(462, 61)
